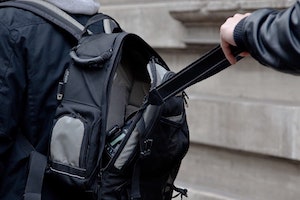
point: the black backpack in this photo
(120, 131)
(107, 139)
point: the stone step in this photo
(215, 173)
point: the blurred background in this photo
(244, 122)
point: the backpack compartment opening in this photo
(131, 84)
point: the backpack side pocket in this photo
(74, 143)
(169, 143)
(169, 136)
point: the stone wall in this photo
(244, 121)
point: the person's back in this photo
(33, 56)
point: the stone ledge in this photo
(202, 21)
(194, 194)
(267, 128)
(151, 21)
(249, 79)
(233, 175)
(180, 24)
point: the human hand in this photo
(226, 36)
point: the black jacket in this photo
(272, 37)
(33, 56)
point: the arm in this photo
(271, 36)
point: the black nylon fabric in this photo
(272, 37)
(32, 74)
(33, 56)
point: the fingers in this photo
(227, 52)
(226, 35)
(244, 54)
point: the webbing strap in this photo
(37, 166)
(49, 12)
(38, 162)
(135, 182)
(61, 18)
(211, 63)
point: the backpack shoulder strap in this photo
(49, 12)
(38, 162)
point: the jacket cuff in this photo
(238, 34)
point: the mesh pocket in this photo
(66, 141)
(170, 139)
(75, 143)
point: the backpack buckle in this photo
(146, 148)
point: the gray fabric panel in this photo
(117, 105)
(149, 113)
(119, 95)
(158, 72)
(127, 150)
(66, 141)
(130, 109)
(106, 25)
(58, 11)
(138, 92)
(176, 118)
(132, 142)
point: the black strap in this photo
(62, 19)
(37, 166)
(49, 12)
(38, 162)
(211, 63)
(135, 182)
(110, 25)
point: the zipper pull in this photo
(185, 98)
(61, 86)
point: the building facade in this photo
(244, 121)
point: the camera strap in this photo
(206, 66)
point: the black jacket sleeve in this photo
(12, 83)
(272, 37)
